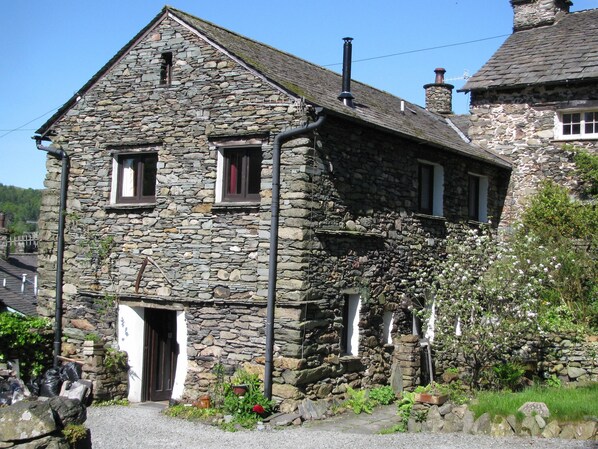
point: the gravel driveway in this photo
(143, 426)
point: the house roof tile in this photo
(12, 271)
(321, 87)
(562, 52)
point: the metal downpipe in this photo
(273, 256)
(63, 156)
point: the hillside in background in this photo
(21, 207)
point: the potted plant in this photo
(432, 393)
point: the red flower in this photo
(258, 409)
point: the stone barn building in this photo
(173, 149)
(537, 96)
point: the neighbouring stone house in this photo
(537, 96)
(168, 219)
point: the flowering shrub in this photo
(482, 298)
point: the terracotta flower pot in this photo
(429, 398)
(240, 390)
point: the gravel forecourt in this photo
(144, 426)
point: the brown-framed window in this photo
(426, 188)
(242, 174)
(166, 69)
(136, 178)
(474, 197)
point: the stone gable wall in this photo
(202, 253)
(520, 125)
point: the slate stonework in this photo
(520, 125)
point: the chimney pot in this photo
(439, 75)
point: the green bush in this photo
(359, 401)
(383, 395)
(566, 232)
(28, 339)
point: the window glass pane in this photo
(255, 171)
(235, 170)
(149, 175)
(128, 177)
(576, 129)
(591, 122)
(474, 197)
(426, 188)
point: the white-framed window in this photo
(134, 177)
(350, 334)
(575, 125)
(430, 188)
(478, 198)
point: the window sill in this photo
(347, 358)
(574, 138)
(252, 205)
(430, 217)
(130, 206)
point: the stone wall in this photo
(520, 125)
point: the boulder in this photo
(26, 420)
(434, 421)
(68, 411)
(574, 372)
(309, 409)
(482, 425)
(530, 427)
(537, 408)
(501, 428)
(552, 430)
(47, 442)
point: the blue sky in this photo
(51, 48)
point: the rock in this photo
(47, 442)
(309, 409)
(468, 422)
(568, 432)
(552, 430)
(68, 411)
(483, 425)
(26, 420)
(79, 390)
(459, 411)
(284, 419)
(452, 423)
(501, 428)
(396, 377)
(445, 409)
(413, 426)
(530, 427)
(514, 423)
(585, 430)
(575, 372)
(540, 421)
(434, 421)
(538, 408)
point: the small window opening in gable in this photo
(350, 333)
(387, 320)
(166, 69)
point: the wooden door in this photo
(161, 352)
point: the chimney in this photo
(439, 95)
(346, 96)
(537, 13)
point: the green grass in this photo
(565, 404)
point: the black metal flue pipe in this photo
(346, 96)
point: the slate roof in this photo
(321, 87)
(563, 52)
(10, 296)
